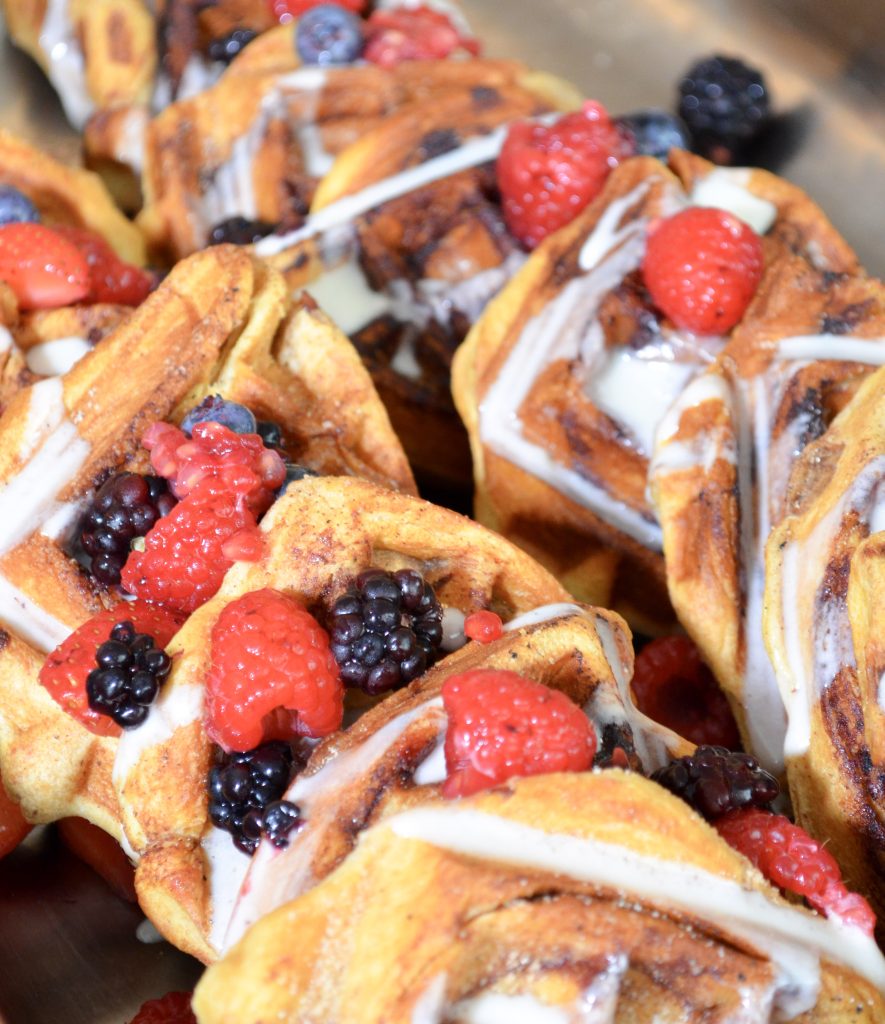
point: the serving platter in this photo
(68, 948)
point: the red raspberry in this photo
(502, 725)
(702, 267)
(65, 670)
(215, 460)
(549, 173)
(674, 687)
(287, 10)
(43, 269)
(13, 826)
(173, 1008)
(111, 280)
(483, 627)
(268, 654)
(188, 551)
(412, 33)
(788, 856)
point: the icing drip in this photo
(65, 65)
(726, 188)
(793, 940)
(6, 340)
(52, 358)
(545, 613)
(226, 870)
(833, 346)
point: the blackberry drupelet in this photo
(127, 679)
(715, 781)
(245, 791)
(654, 132)
(227, 47)
(124, 507)
(386, 630)
(724, 102)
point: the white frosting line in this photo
(6, 339)
(725, 188)
(496, 1008)
(227, 867)
(833, 346)
(793, 940)
(66, 68)
(348, 298)
(431, 1003)
(53, 358)
(28, 620)
(544, 613)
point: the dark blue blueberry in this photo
(216, 409)
(271, 433)
(295, 472)
(329, 34)
(16, 207)
(229, 46)
(655, 132)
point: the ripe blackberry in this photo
(125, 507)
(245, 791)
(654, 132)
(240, 231)
(724, 102)
(127, 680)
(386, 630)
(227, 47)
(715, 781)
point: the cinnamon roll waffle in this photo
(221, 323)
(563, 382)
(563, 897)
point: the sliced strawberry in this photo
(42, 267)
(111, 279)
(102, 853)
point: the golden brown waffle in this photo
(220, 323)
(318, 538)
(726, 456)
(564, 380)
(825, 631)
(562, 895)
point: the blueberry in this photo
(271, 433)
(216, 409)
(295, 472)
(329, 34)
(655, 132)
(15, 207)
(227, 47)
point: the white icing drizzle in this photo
(129, 142)
(147, 933)
(28, 620)
(52, 358)
(6, 340)
(453, 629)
(472, 153)
(226, 868)
(66, 68)
(277, 876)
(794, 941)
(430, 1005)
(726, 188)
(558, 332)
(833, 346)
(497, 1007)
(816, 628)
(545, 613)
(433, 768)
(348, 298)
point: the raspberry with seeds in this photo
(484, 627)
(173, 1008)
(269, 653)
(413, 33)
(548, 173)
(702, 267)
(674, 687)
(65, 671)
(502, 725)
(788, 856)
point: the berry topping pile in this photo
(702, 268)
(127, 679)
(124, 507)
(173, 1008)
(329, 34)
(43, 269)
(791, 859)
(483, 627)
(65, 671)
(413, 33)
(716, 781)
(110, 278)
(245, 791)
(502, 726)
(724, 102)
(386, 630)
(548, 173)
(272, 674)
(654, 132)
(674, 687)
(16, 208)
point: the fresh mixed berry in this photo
(724, 102)
(289, 10)
(272, 674)
(702, 267)
(329, 34)
(715, 781)
(44, 269)
(654, 132)
(126, 681)
(245, 795)
(413, 33)
(548, 173)
(240, 231)
(173, 1008)
(225, 48)
(110, 278)
(125, 507)
(65, 671)
(16, 208)
(484, 627)
(216, 409)
(788, 856)
(294, 473)
(501, 725)
(387, 630)
(673, 686)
